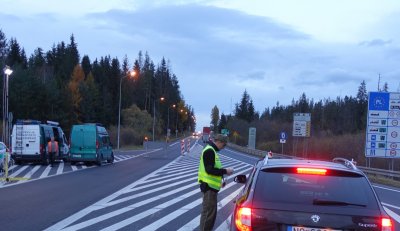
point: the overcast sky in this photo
(276, 50)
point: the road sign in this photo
(282, 137)
(301, 124)
(252, 138)
(225, 131)
(383, 127)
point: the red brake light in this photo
(314, 171)
(243, 219)
(97, 144)
(386, 224)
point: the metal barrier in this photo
(381, 172)
(395, 175)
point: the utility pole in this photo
(379, 81)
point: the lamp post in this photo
(154, 113)
(131, 74)
(176, 125)
(7, 72)
(168, 130)
(154, 116)
(177, 116)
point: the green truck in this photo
(90, 142)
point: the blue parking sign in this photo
(283, 135)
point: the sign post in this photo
(282, 138)
(302, 128)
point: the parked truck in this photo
(206, 134)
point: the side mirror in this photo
(240, 179)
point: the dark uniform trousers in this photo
(209, 212)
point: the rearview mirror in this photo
(240, 179)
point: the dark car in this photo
(308, 195)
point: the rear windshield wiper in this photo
(329, 202)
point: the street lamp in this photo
(154, 113)
(168, 130)
(131, 74)
(177, 116)
(7, 72)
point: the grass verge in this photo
(384, 181)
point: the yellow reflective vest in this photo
(213, 181)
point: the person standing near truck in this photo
(52, 150)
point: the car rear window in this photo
(286, 186)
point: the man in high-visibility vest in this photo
(210, 179)
(52, 150)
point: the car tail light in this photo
(97, 144)
(41, 148)
(313, 171)
(243, 219)
(387, 224)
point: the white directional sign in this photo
(301, 124)
(383, 129)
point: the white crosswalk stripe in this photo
(167, 199)
(23, 173)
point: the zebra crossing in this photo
(167, 199)
(18, 174)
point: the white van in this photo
(29, 141)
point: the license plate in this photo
(300, 228)
(76, 155)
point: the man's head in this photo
(220, 141)
(52, 138)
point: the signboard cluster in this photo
(302, 124)
(383, 129)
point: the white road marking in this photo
(392, 214)
(386, 188)
(161, 178)
(60, 168)
(46, 172)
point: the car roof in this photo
(337, 164)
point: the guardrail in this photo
(394, 175)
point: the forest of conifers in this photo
(60, 85)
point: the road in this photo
(151, 189)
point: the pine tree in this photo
(362, 96)
(245, 110)
(222, 122)
(3, 48)
(214, 119)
